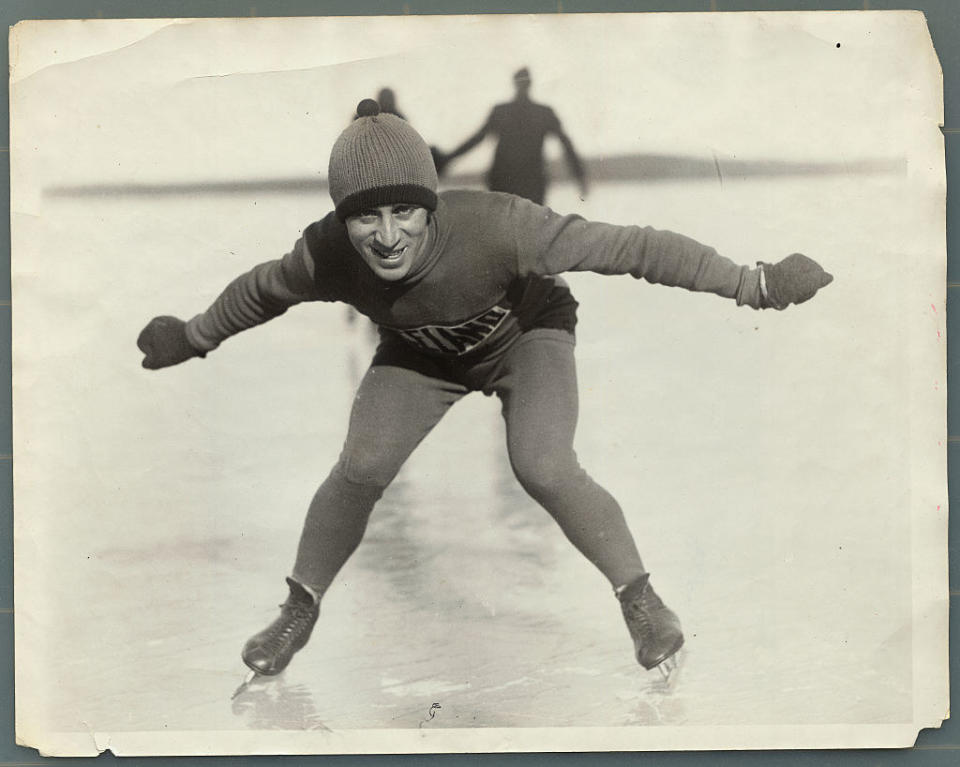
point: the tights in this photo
(404, 394)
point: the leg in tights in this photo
(394, 409)
(538, 387)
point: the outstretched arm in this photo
(548, 243)
(573, 161)
(442, 159)
(265, 292)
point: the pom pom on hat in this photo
(368, 108)
(380, 160)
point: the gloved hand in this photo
(164, 342)
(792, 281)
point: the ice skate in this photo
(654, 627)
(269, 652)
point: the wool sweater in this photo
(489, 274)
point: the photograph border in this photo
(933, 747)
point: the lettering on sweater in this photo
(455, 339)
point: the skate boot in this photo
(269, 652)
(654, 627)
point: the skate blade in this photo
(670, 670)
(251, 675)
(667, 668)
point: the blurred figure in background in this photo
(387, 100)
(521, 126)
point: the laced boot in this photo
(654, 627)
(269, 652)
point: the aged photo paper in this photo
(782, 472)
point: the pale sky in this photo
(153, 100)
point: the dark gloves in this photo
(164, 342)
(792, 281)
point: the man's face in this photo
(392, 239)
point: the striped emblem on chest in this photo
(455, 339)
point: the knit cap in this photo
(380, 160)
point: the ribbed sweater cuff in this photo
(195, 335)
(748, 292)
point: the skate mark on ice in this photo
(524, 680)
(269, 703)
(575, 670)
(422, 687)
(650, 699)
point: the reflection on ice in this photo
(272, 704)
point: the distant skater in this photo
(521, 126)
(387, 100)
(463, 286)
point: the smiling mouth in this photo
(395, 254)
